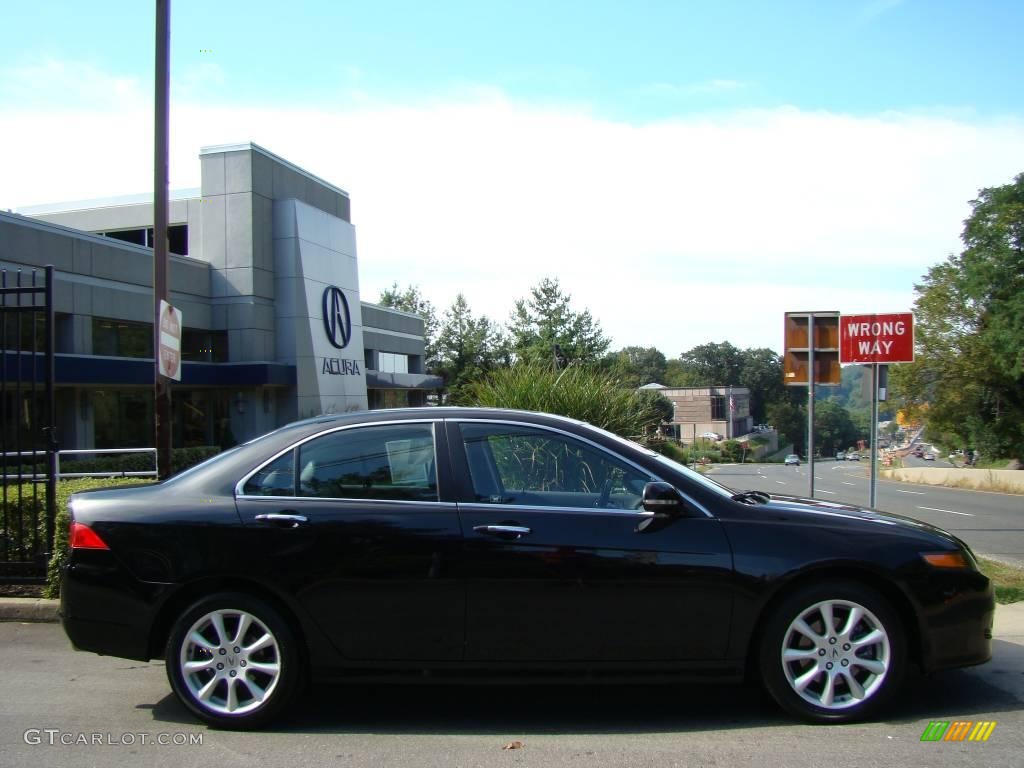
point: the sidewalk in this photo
(1009, 624)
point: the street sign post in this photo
(810, 358)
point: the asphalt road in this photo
(47, 686)
(991, 523)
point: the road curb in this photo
(1009, 623)
(29, 609)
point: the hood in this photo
(828, 511)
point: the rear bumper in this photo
(104, 609)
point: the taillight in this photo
(84, 537)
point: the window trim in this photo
(432, 423)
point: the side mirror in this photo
(662, 499)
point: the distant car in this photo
(853, 457)
(792, 459)
(929, 457)
(710, 435)
(919, 452)
(841, 456)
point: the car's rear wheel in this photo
(233, 661)
(833, 652)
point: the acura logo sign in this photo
(337, 321)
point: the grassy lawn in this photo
(1009, 581)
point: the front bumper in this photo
(956, 625)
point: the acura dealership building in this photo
(263, 267)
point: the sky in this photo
(689, 171)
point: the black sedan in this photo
(492, 545)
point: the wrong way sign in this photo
(887, 338)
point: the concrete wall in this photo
(314, 250)
(1006, 480)
(101, 277)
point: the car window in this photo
(381, 462)
(535, 467)
(275, 479)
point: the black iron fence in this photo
(28, 444)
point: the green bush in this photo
(687, 454)
(25, 514)
(60, 544)
(671, 450)
(577, 392)
(731, 450)
(181, 458)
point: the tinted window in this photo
(275, 479)
(386, 462)
(523, 465)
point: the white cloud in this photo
(673, 232)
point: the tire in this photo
(847, 674)
(233, 661)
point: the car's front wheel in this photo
(833, 652)
(233, 661)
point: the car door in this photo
(561, 563)
(351, 523)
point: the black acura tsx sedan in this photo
(481, 544)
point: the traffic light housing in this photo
(798, 347)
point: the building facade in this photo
(722, 410)
(263, 267)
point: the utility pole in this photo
(811, 375)
(162, 384)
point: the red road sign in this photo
(170, 341)
(876, 338)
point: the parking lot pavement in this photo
(51, 692)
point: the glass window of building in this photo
(717, 407)
(391, 362)
(121, 338)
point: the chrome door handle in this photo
(503, 531)
(282, 520)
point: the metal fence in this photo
(154, 472)
(28, 446)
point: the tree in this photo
(411, 300)
(637, 366)
(791, 422)
(761, 373)
(713, 365)
(545, 319)
(969, 333)
(467, 348)
(677, 375)
(658, 403)
(834, 429)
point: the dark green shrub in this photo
(181, 458)
(577, 392)
(60, 544)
